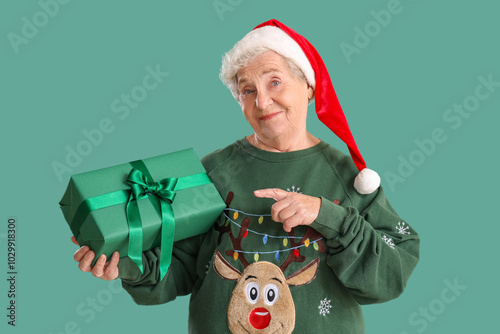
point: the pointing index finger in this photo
(274, 193)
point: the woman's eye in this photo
(247, 91)
(275, 83)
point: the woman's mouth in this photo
(269, 116)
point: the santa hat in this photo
(275, 36)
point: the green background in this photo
(394, 91)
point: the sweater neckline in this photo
(279, 156)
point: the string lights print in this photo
(290, 243)
(265, 238)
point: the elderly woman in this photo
(306, 238)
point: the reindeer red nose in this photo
(260, 318)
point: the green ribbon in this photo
(161, 194)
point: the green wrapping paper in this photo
(140, 205)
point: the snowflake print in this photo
(388, 241)
(294, 190)
(324, 307)
(402, 229)
(207, 267)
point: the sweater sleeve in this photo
(147, 288)
(370, 248)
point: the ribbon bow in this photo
(142, 186)
(161, 195)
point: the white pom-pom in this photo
(367, 181)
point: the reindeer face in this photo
(261, 301)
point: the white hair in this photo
(232, 64)
(257, 42)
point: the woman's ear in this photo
(310, 92)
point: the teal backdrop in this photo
(419, 82)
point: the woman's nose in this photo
(263, 99)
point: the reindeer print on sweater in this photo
(261, 301)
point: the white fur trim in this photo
(280, 42)
(367, 181)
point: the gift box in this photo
(140, 205)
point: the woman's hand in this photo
(291, 209)
(104, 270)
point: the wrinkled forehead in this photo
(247, 77)
(266, 63)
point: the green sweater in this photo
(247, 275)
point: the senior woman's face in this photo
(274, 101)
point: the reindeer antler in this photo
(293, 256)
(237, 242)
(226, 228)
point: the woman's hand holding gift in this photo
(107, 271)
